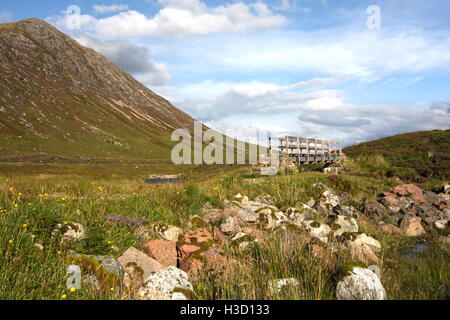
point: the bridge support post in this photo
(307, 151)
(315, 150)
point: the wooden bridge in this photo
(304, 150)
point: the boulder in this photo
(374, 210)
(220, 237)
(69, 231)
(230, 226)
(168, 284)
(197, 222)
(412, 226)
(247, 215)
(409, 190)
(318, 230)
(362, 253)
(102, 273)
(166, 231)
(427, 212)
(242, 240)
(133, 256)
(163, 251)
(389, 228)
(360, 284)
(440, 224)
(374, 244)
(329, 200)
(344, 224)
(348, 211)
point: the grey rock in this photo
(361, 284)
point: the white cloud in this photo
(131, 58)
(182, 18)
(109, 8)
(240, 109)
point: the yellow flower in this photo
(112, 289)
(109, 242)
(142, 295)
(64, 296)
(29, 203)
(112, 247)
(10, 241)
(25, 225)
(16, 205)
(73, 289)
(59, 252)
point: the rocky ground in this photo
(163, 269)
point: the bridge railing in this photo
(307, 150)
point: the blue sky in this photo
(304, 67)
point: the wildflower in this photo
(112, 289)
(109, 242)
(11, 188)
(142, 295)
(59, 252)
(73, 289)
(112, 247)
(10, 241)
(64, 296)
(25, 225)
(16, 205)
(20, 194)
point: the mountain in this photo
(58, 98)
(426, 152)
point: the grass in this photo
(31, 203)
(415, 156)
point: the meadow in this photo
(35, 197)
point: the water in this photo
(416, 251)
(162, 180)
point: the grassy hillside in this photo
(411, 156)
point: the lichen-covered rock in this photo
(69, 231)
(329, 200)
(344, 224)
(277, 286)
(360, 284)
(140, 260)
(101, 272)
(197, 222)
(412, 226)
(247, 215)
(168, 284)
(347, 211)
(240, 199)
(374, 210)
(242, 240)
(295, 216)
(166, 231)
(230, 226)
(318, 230)
(163, 251)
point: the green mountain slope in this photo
(427, 152)
(58, 98)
